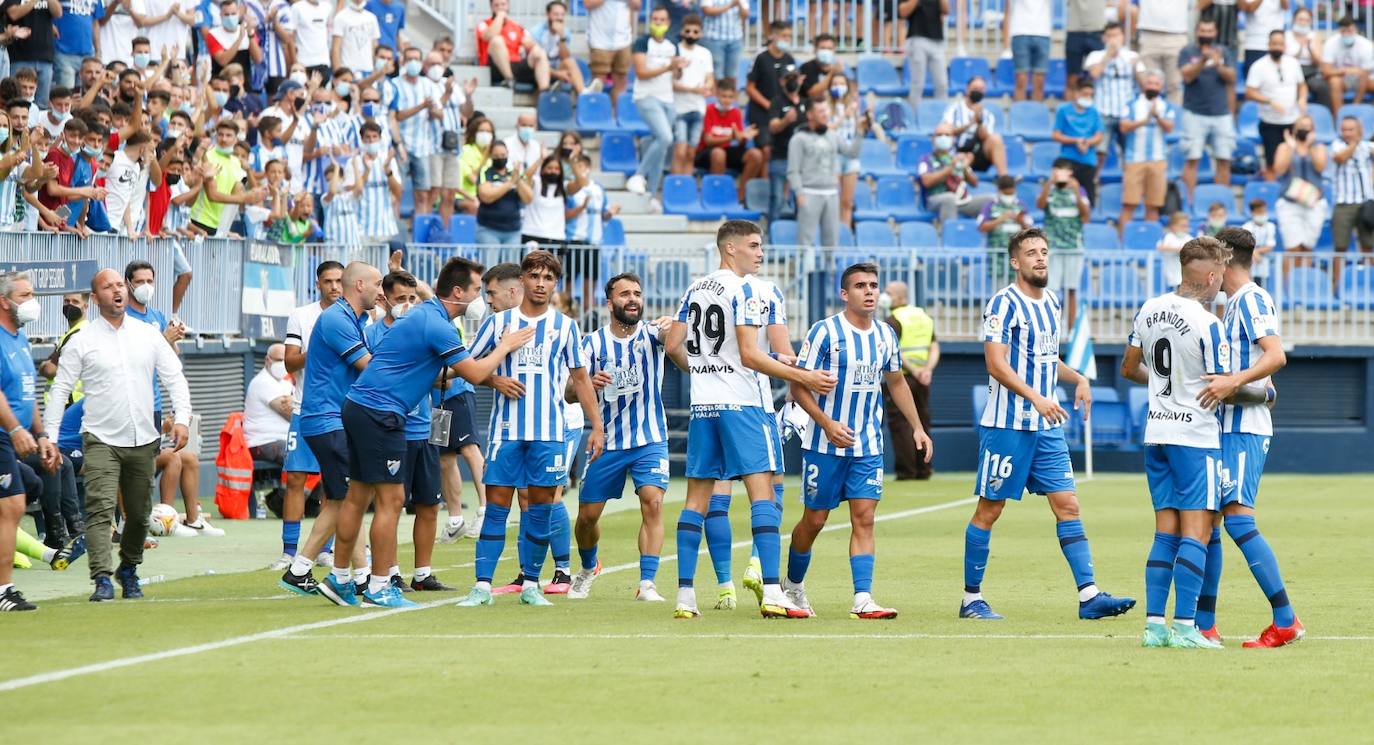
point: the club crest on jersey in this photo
(392, 466)
(5, 480)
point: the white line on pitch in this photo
(1130, 636)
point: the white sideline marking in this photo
(1130, 636)
(364, 616)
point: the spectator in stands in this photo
(267, 408)
(75, 38)
(503, 191)
(526, 151)
(169, 27)
(1000, 219)
(1266, 238)
(377, 164)
(234, 40)
(310, 21)
(1209, 74)
(587, 209)
(415, 110)
(1275, 82)
(455, 105)
(1298, 164)
(1216, 220)
(815, 155)
(925, 47)
(974, 127)
(343, 204)
(1083, 29)
(610, 31)
(543, 220)
(1145, 176)
(724, 138)
(1115, 68)
(1262, 17)
(55, 116)
(1169, 245)
(1026, 32)
(569, 149)
(1354, 186)
(1347, 57)
(391, 21)
(291, 220)
(818, 72)
(516, 58)
(126, 184)
(920, 352)
(723, 34)
(693, 84)
(1067, 209)
(946, 176)
(846, 120)
(36, 50)
(57, 192)
(1163, 33)
(1078, 129)
(354, 35)
(224, 177)
(1304, 44)
(765, 82)
(553, 37)
(657, 65)
(784, 117)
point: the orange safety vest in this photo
(234, 465)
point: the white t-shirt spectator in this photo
(544, 216)
(171, 33)
(1359, 54)
(657, 54)
(1163, 16)
(1031, 17)
(42, 118)
(262, 425)
(295, 147)
(310, 18)
(1168, 248)
(1269, 16)
(523, 156)
(118, 32)
(1278, 82)
(608, 26)
(699, 65)
(126, 191)
(360, 33)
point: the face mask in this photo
(1084, 103)
(825, 56)
(1261, 219)
(723, 106)
(1301, 29)
(61, 116)
(373, 148)
(524, 133)
(72, 313)
(1206, 41)
(565, 152)
(838, 91)
(143, 294)
(1007, 198)
(175, 132)
(974, 96)
(435, 73)
(821, 129)
(658, 30)
(483, 139)
(94, 151)
(379, 64)
(1275, 54)
(4, 135)
(884, 300)
(1301, 134)
(499, 163)
(689, 41)
(224, 150)
(399, 310)
(100, 174)
(476, 310)
(359, 6)
(298, 77)
(187, 108)
(173, 179)
(28, 311)
(944, 142)
(783, 45)
(413, 68)
(231, 23)
(221, 98)
(792, 85)
(1216, 222)
(342, 89)
(1151, 95)
(277, 369)
(141, 59)
(1061, 184)
(369, 109)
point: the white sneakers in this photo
(866, 609)
(594, 87)
(203, 527)
(282, 563)
(454, 529)
(474, 528)
(648, 593)
(636, 185)
(581, 584)
(797, 594)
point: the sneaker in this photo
(1156, 636)
(595, 86)
(400, 584)
(1211, 633)
(430, 584)
(13, 600)
(387, 597)
(1103, 605)
(68, 554)
(655, 206)
(325, 559)
(560, 585)
(203, 527)
(636, 184)
(149, 543)
(1188, 637)
(1276, 636)
(104, 589)
(282, 562)
(532, 596)
(647, 593)
(725, 597)
(514, 586)
(476, 596)
(980, 610)
(753, 578)
(867, 610)
(797, 594)
(781, 607)
(474, 528)
(127, 576)
(299, 584)
(453, 531)
(182, 530)
(339, 593)
(582, 582)
(684, 611)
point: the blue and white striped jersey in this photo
(378, 219)
(264, 153)
(341, 223)
(960, 113)
(1144, 144)
(274, 50)
(1353, 183)
(859, 358)
(417, 132)
(327, 134)
(775, 314)
(1116, 88)
(1180, 341)
(712, 307)
(452, 119)
(632, 403)
(9, 196)
(1250, 316)
(1030, 329)
(586, 227)
(539, 366)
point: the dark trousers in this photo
(1087, 178)
(911, 463)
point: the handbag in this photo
(1303, 192)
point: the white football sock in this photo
(969, 597)
(301, 566)
(1088, 593)
(1184, 621)
(482, 586)
(341, 575)
(422, 572)
(395, 570)
(377, 584)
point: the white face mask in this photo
(277, 369)
(143, 294)
(476, 310)
(28, 311)
(435, 73)
(483, 139)
(399, 310)
(884, 300)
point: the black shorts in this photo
(11, 478)
(1078, 45)
(423, 487)
(376, 444)
(463, 429)
(734, 157)
(521, 70)
(331, 451)
(980, 158)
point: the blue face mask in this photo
(342, 89)
(90, 151)
(4, 135)
(141, 59)
(231, 23)
(221, 98)
(187, 108)
(825, 56)
(413, 67)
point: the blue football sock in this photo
(648, 568)
(975, 556)
(861, 566)
(1188, 570)
(689, 529)
(763, 519)
(492, 541)
(1074, 544)
(718, 538)
(588, 557)
(290, 536)
(1263, 565)
(1211, 580)
(797, 563)
(1159, 573)
(538, 539)
(560, 535)
(522, 542)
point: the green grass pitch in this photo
(229, 658)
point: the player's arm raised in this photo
(756, 359)
(995, 355)
(1082, 388)
(479, 371)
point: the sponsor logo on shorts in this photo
(662, 469)
(876, 479)
(1264, 446)
(5, 481)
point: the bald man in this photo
(267, 408)
(920, 354)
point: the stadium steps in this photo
(630, 204)
(646, 223)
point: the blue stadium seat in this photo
(1097, 236)
(1362, 111)
(1031, 119)
(1058, 76)
(756, 194)
(910, 150)
(719, 195)
(874, 234)
(1357, 286)
(407, 200)
(864, 208)
(1206, 172)
(876, 159)
(1108, 205)
(1205, 195)
(613, 233)
(618, 153)
(1043, 155)
(962, 233)
(878, 75)
(555, 111)
(1266, 190)
(462, 229)
(670, 279)
(681, 197)
(1119, 286)
(1018, 162)
(929, 114)
(1142, 235)
(594, 114)
(1138, 400)
(1104, 393)
(1111, 423)
(895, 197)
(1003, 82)
(918, 235)
(847, 237)
(1110, 173)
(782, 233)
(1247, 121)
(627, 115)
(746, 63)
(962, 69)
(1028, 192)
(1323, 126)
(1310, 287)
(428, 229)
(978, 280)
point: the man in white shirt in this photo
(353, 38)
(1276, 83)
(523, 150)
(126, 183)
(1347, 58)
(610, 31)
(171, 26)
(267, 408)
(124, 20)
(657, 65)
(115, 358)
(1261, 17)
(690, 90)
(310, 19)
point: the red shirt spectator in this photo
(720, 124)
(158, 201)
(66, 165)
(511, 33)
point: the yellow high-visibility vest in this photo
(918, 330)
